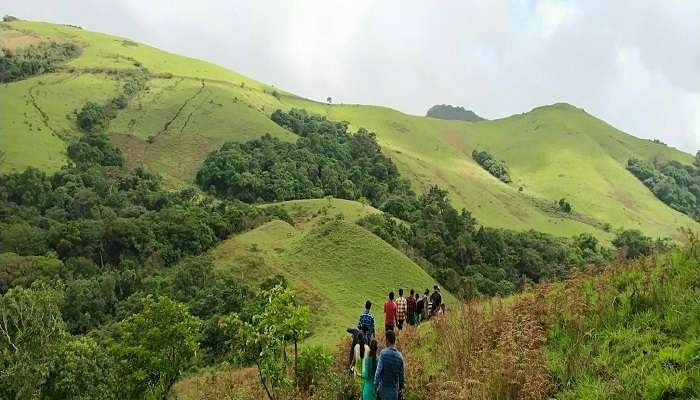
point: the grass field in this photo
(191, 107)
(332, 263)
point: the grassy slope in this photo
(553, 152)
(335, 265)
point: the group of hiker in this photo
(382, 377)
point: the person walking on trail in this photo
(436, 300)
(370, 368)
(390, 313)
(366, 323)
(389, 377)
(356, 332)
(420, 306)
(360, 351)
(426, 305)
(400, 310)
(411, 308)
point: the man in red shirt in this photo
(389, 313)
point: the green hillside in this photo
(191, 107)
(332, 263)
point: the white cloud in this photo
(553, 13)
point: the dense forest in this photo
(91, 255)
(675, 184)
(446, 111)
(326, 160)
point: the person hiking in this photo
(389, 377)
(370, 368)
(400, 310)
(436, 300)
(411, 308)
(420, 306)
(356, 332)
(426, 305)
(367, 322)
(389, 313)
(359, 352)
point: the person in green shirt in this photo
(368, 372)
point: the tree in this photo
(565, 206)
(16, 270)
(92, 117)
(155, 346)
(263, 333)
(31, 335)
(329, 100)
(632, 243)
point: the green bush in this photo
(497, 168)
(92, 117)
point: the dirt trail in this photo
(182, 107)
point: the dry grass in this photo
(224, 384)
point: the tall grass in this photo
(630, 331)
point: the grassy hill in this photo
(191, 107)
(332, 263)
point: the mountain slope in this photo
(332, 263)
(191, 107)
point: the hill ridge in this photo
(549, 150)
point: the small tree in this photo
(157, 344)
(329, 100)
(92, 117)
(565, 206)
(275, 321)
(633, 243)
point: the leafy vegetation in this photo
(83, 257)
(497, 168)
(675, 184)
(446, 111)
(326, 160)
(34, 60)
(470, 260)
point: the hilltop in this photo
(446, 111)
(190, 107)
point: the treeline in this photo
(103, 292)
(326, 160)
(472, 260)
(676, 184)
(495, 167)
(34, 60)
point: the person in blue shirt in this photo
(366, 322)
(389, 377)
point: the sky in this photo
(635, 64)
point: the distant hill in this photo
(446, 111)
(189, 108)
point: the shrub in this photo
(497, 168)
(92, 117)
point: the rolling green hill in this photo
(332, 263)
(191, 107)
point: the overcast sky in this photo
(635, 64)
